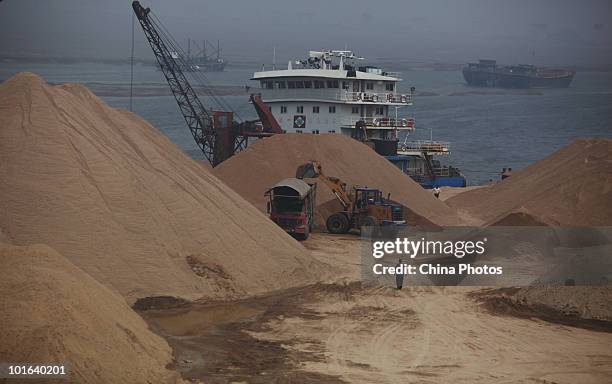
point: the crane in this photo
(215, 132)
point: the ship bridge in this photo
(329, 93)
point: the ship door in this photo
(355, 86)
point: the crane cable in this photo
(132, 67)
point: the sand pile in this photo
(573, 186)
(267, 161)
(120, 201)
(52, 311)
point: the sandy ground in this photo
(340, 331)
(448, 192)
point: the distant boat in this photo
(486, 73)
(200, 60)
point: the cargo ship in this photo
(331, 92)
(486, 73)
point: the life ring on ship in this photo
(390, 97)
(403, 99)
(374, 98)
(404, 122)
(376, 122)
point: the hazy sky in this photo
(568, 32)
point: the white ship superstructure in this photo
(329, 93)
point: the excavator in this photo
(215, 132)
(361, 206)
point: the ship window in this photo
(389, 86)
(369, 85)
(332, 83)
(345, 85)
(280, 84)
(266, 84)
(355, 110)
(283, 109)
(380, 110)
(332, 109)
(299, 84)
(315, 109)
(291, 84)
(300, 109)
(319, 84)
(307, 84)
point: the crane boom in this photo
(215, 132)
(198, 119)
(313, 169)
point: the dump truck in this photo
(291, 206)
(362, 206)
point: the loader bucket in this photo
(307, 170)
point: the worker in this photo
(506, 173)
(399, 277)
(436, 191)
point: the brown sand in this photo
(557, 303)
(349, 333)
(52, 311)
(448, 192)
(267, 161)
(573, 186)
(120, 201)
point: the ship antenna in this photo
(274, 58)
(132, 68)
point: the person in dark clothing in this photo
(399, 278)
(436, 191)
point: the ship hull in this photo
(492, 79)
(211, 67)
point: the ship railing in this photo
(429, 146)
(382, 122)
(335, 95)
(377, 97)
(392, 74)
(422, 172)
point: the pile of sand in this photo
(267, 161)
(573, 186)
(53, 312)
(120, 201)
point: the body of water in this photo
(500, 128)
